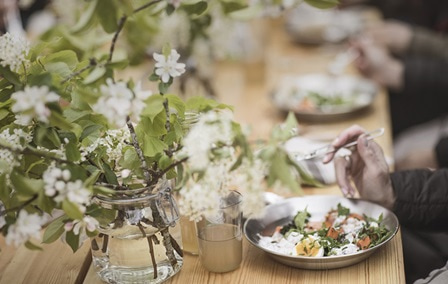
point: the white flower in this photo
(16, 140)
(167, 67)
(13, 50)
(113, 142)
(138, 103)
(31, 103)
(211, 129)
(88, 222)
(57, 185)
(117, 102)
(26, 226)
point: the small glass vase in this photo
(140, 239)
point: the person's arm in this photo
(421, 198)
(426, 43)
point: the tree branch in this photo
(160, 174)
(92, 63)
(19, 207)
(121, 24)
(138, 149)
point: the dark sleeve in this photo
(442, 152)
(426, 76)
(421, 198)
(429, 44)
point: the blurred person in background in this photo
(419, 198)
(412, 63)
(14, 14)
(431, 14)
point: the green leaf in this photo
(202, 104)
(73, 115)
(31, 246)
(72, 152)
(87, 18)
(107, 14)
(91, 180)
(3, 113)
(130, 159)
(54, 230)
(72, 210)
(285, 130)
(95, 75)
(41, 79)
(45, 203)
(343, 211)
(280, 170)
(72, 240)
(5, 190)
(26, 186)
(47, 137)
(154, 77)
(12, 77)
(94, 128)
(232, 6)
(154, 106)
(300, 219)
(58, 68)
(195, 8)
(110, 175)
(68, 57)
(323, 4)
(176, 102)
(164, 162)
(153, 146)
(56, 119)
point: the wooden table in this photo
(245, 86)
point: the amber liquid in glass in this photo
(220, 247)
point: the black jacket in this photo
(421, 199)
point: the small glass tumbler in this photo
(220, 236)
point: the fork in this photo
(327, 149)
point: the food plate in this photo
(281, 213)
(309, 25)
(321, 97)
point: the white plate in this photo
(283, 212)
(356, 93)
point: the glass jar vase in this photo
(139, 238)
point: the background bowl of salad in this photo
(324, 97)
(321, 231)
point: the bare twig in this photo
(19, 207)
(167, 112)
(138, 149)
(121, 24)
(92, 63)
(173, 165)
(151, 249)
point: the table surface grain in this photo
(246, 86)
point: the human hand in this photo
(394, 36)
(366, 166)
(375, 63)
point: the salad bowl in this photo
(281, 213)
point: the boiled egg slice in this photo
(309, 246)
